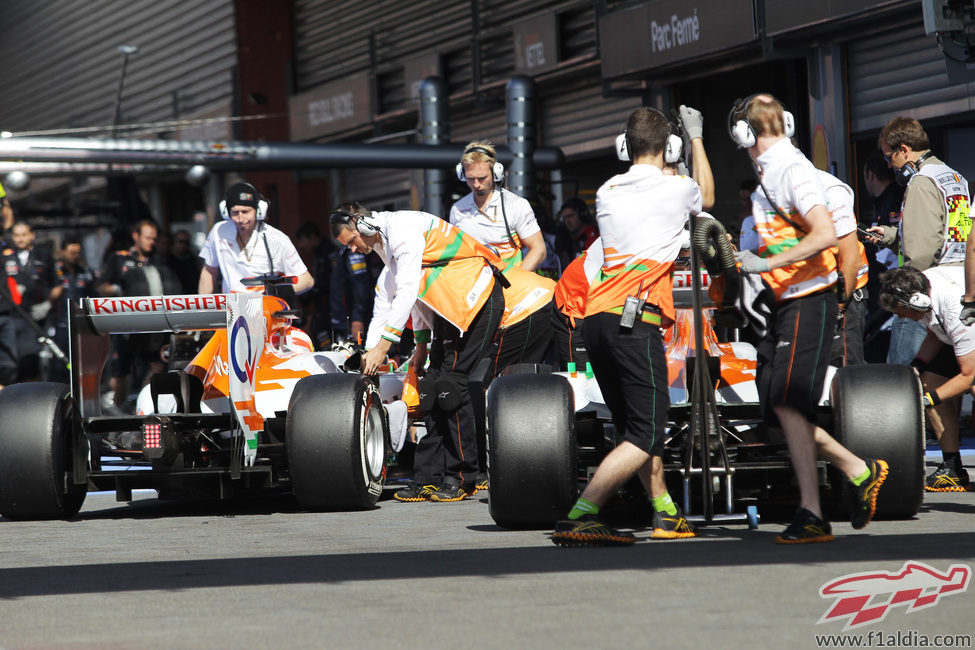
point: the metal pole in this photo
(522, 135)
(434, 130)
(127, 51)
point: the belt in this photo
(651, 313)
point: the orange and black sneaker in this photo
(806, 528)
(865, 494)
(415, 492)
(481, 484)
(589, 531)
(453, 492)
(671, 526)
(947, 479)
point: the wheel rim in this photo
(371, 439)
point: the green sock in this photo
(860, 479)
(664, 504)
(583, 507)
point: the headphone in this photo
(497, 169)
(262, 205)
(904, 174)
(917, 301)
(672, 150)
(741, 130)
(361, 221)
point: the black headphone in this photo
(497, 169)
(916, 301)
(904, 174)
(741, 131)
(360, 220)
(262, 204)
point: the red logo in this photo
(866, 598)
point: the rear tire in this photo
(531, 450)
(877, 414)
(37, 453)
(336, 442)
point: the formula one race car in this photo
(548, 431)
(256, 410)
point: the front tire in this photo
(335, 435)
(37, 453)
(531, 450)
(877, 414)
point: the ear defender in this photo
(672, 151)
(917, 301)
(497, 169)
(741, 131)
(364, 227)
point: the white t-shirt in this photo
(947, 288)
(487, 225)
(839, 202)
(221, 250)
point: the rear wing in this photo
(242, 314)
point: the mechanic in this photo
(576, 232)
(244, 245)
(934, 221)
(452, 285)
(796, 234)
(32, 270)
(641, 216)
(493, 215)
(854, 267)
(932, 298)
(74, 282)
(136, 272)
(351, 289)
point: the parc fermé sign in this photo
(156, 313)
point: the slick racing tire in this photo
(877, 414)
(37, 453)
(531, 450)
(335, 435)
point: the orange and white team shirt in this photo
(641, 216)
(436, 264)
(487, 225)
(793, 183)
(528, 293)
(840, 202)
(572, 289)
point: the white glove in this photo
(967, 314)
(751, 263)
(692, 121)
(40, 311)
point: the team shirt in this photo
(840, 203)
(235, 263)
(641, 216)
(793, 183)
(572, 289)
(947, 288)
(528, 293)
(435, 263)
(487, 225)
(958, 222)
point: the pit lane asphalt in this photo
(261, 574)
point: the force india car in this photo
(548, 431)
(257, 409)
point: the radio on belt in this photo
(631, 308)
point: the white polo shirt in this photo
(221, 250)
(487, 225)
(947, 288)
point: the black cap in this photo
(242, 194)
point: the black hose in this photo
(710, 240)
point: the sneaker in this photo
(587, 530)
(415, 492)
(865, 494)
(453, 492)
(806, 528)
(671, 526)
(481, 484)
(946, 479)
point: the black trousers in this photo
(631, 368)
(570, 344)
(448, 451)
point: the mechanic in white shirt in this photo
(946, 359)
(243, 245)
(494, 216)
